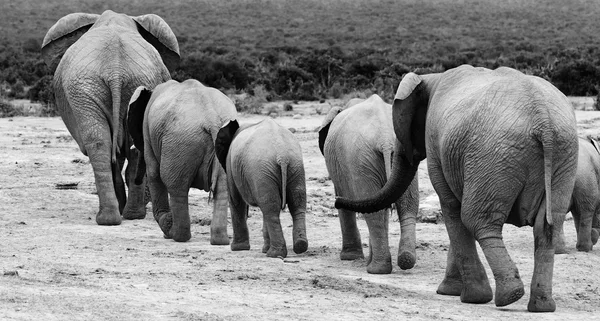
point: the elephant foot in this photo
(108, 217)
(583, 246)
(240, 246)
(595, 235)
(300, 246)
(266, 247)
(182, 234)
(541, 303)
(218, 236)
(560, 247)
(277, 252)
(450, 286)
(165, 222)
(351, 254)
(508, 291)
(383, 267)
(134, 214)
(477, 293)
(407, 260)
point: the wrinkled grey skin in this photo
(585, 202)
(501, 147)
(357, 144)
(98, 61)
(265, 169)
(175, 126)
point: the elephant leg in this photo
(135, 208)
(596, 226)
(277, 246)
(351, 243)
(239, 217)
(465, 274)
(408, 207)
(266, 238)
(119, 183)
(99, 152)
(540, 299)
(159, 195)
(583, 223)
(296, 200)
(380, 260)
(180, 230)
(218, 224)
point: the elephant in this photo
(98, 61)
(358, 142)
(264, 168)
(501, 147)
(585, 201)
(174, 126)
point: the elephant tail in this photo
(387, 161)
(547, 141)
(115, 89)
(283, 166)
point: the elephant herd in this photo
(501, 147)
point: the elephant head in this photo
(71, 27)
(223, 141)
(409, 112)
(135, 119)
(324, 129)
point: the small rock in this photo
(11, 273)
(297, 116)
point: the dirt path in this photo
(57, 264)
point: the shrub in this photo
(7, 109)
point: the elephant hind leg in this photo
(380, 260)
(239, 217)
(351, 243)
(296, 199)
(408, 207)
(272, 225)
(135, 208)
(118, 183)
(99, 153)
(465, 274)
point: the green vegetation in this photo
(314, 49)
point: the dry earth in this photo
(57, 264)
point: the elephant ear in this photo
(135, 115)
(158, 33)
(408, 114)
(223, 141)
(595, 144)
(63, 34)
(324, 131)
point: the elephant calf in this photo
(357, 143)
(174, 126)
(264, 168)
(585, 201)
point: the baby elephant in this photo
(264, 168)
(585, 202)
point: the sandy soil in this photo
(57, 264)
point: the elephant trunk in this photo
(402, 175)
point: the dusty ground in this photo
(57, 264)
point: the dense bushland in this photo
(314, 49)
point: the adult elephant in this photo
(175, 126)
(501, 148)
(98, 61)
(357, 143)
